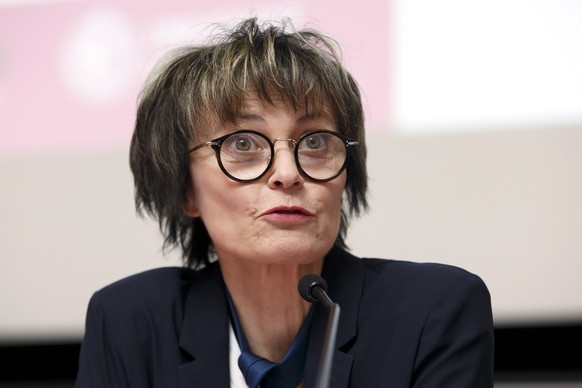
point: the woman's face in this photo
(282, 217)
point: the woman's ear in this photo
(190, 207)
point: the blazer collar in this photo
(204, 336)
(344, 275)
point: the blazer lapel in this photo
(344, 275)
(204, 336)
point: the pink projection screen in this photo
(70, 71)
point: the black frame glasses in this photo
(306, 139)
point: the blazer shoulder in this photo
(163, 277)
(411, 268)
(418, 277)
(156, 288)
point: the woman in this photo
(250, 153)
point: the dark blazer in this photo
(402, 324)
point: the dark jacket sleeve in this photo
(99, 363)
(456, 345)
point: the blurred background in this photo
(474, 127)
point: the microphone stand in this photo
(327, 351)
(313, 289)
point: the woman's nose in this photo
(284, 171)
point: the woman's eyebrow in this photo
(301, 119)
(250, 117)
(313, 117)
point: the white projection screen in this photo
(474, 127)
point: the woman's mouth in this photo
(288, 212)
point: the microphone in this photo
(313, 289)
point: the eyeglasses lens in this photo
(321, 155)
(245, 155)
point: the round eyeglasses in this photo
(246, 155)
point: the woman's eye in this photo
(242, 144)
(314, 142)
(245, 143)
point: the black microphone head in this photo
(306, 284)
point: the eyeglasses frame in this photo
(216, 144)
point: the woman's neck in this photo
(268, 305)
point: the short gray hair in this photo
(197, 86)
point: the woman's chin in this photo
(295, 253)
